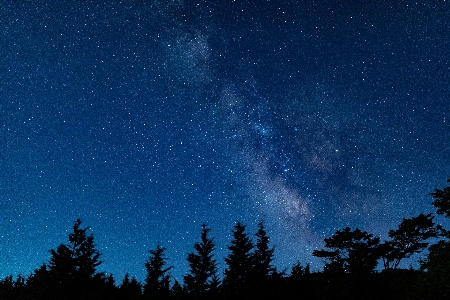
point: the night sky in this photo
(148, 118)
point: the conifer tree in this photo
(38, 283)
(177, 291)
(7, 288)
(72, 267)
(130, 288)
(202, 279)
(263, 255)
(157, 282)
(78, 259)
(13, 289)
(239, 261)
(298, 270)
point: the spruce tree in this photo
(157, 282)
(239, 261)
(263, 255)
(202, 279)
(72, 267)
(78, 259)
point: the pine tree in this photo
(239, 261)
(263, 256)
(202, 279)
(157, 282)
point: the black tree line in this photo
(350, 256)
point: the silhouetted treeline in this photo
(351, 257)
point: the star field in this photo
(148, 119)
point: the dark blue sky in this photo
(148, 118)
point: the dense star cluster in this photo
(147, 119)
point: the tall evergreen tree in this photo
(202, 279)
(72, 267)
(157, 282)
(239, 261)
(263, 255)
(78, 259)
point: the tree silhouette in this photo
(437, 267)
(442, 200)
(239, 261)
(178, 292)
(353, 252)
(71, 272)
(104, 287)
(13, 289)
(407, 240)
(78, 259)
(7, 288)
(130, 288)
(202, 279)
(437, 262)
(38, 283)
(157, 282)
(72, 267)
(263, 255)
(298, 270)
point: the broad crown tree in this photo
(354, 252)
(407, 240)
